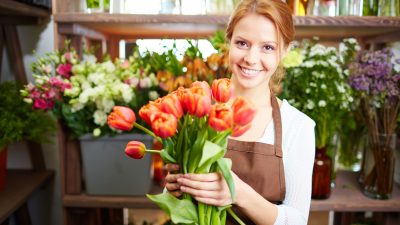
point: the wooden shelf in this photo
(20, 185)
(347, 197)
(13, 12)
(147, 26)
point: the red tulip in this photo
(197, 102)
(164, 125)
(204, 85)
(222, 90)
(147, 111)
(240, 130)
(122, 118)
(135, 149)
(171, 104)
(220, 117)
(179, 93)
(243, 111)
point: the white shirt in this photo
(298, 149)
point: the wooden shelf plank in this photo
(12, 7)
(20, 185)
(347, 197)
(175, 26)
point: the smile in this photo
(249, 73)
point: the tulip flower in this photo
(204, 85)
(197, 102)
(164, 125)
(122, 118)
(171, 104)
(147, 111)
(240, 130)
(243, 112)
(220, 117)
(137, 150)
(222, 90)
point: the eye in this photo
(269, 48)
(241, 44)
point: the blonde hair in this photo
(279, 13)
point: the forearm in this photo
(254, 206)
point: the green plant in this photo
(18, 121)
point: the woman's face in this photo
(253, 54)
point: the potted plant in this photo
(18, 122)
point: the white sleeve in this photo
(298, 176)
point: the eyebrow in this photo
(264, 42)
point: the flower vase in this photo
(378, 166)
(321, 179)
(3, 167)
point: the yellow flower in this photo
(292, 59)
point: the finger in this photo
(199, 193)
(172, 186)
(200, 185)
(211, 201)
(172, 178)
(171, 167)
(208, 177)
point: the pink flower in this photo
(54, 81)
(34, 93)
(125, 64)
(65, 70)
(40, 103)
(68, 56)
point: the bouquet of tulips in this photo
(193, 124)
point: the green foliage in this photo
(19, 121)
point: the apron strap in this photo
(276, 116)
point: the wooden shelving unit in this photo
(20, 186)
(109, 29)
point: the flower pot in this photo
(3, 167)
(378, 166)
(108, 171)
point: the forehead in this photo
(255, 27)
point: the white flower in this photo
(100, 117)
(126, 92)
(323, 86)
(108, 66)
(72, 92)
(322, 103)
(76, 106)
(84, 97)
(107, 104)
(310, 104)
(96, 132)
(90, 59)
(308, 90)
(153, 95)
(96, 78)
(145, 82)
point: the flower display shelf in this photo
(20, 185)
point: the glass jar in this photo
(389, 8)
(378, 166)
(321, 179)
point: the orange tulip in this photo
(179, 93)
(197, 102)
(122, 118)
(147, 111)
(135, 149)
(164, 125)
(204, 85)
(171, 104)
(222, 89)
(220, 117)
(243, 111)
(240, 130)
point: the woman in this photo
(272, 162)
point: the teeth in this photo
(250, 72)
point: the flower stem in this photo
(153, 151)
(233, 214)
(147, 131)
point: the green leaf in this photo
(167, 158)
(210, 154)
(181, 211)
(224, 165)
(196, 153)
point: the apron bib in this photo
(260, 165)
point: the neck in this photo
(259, 96)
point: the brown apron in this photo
(260, 165)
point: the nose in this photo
(250, 58)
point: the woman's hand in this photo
(171, 179)
(210, 188)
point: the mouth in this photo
(249, 73)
